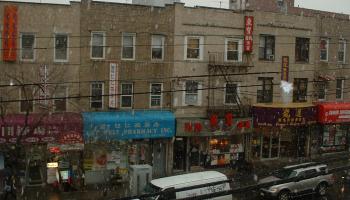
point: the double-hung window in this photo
(233, 49)
(60, 99)
(342, 51)
(265, 90)
(128, 46)
(339, 88)
(193, 48)
(267, 47)
(126, 97)
(231, 93)
(302, 46)
(156, 95)
(157, 47)
(27, 47)
(324, 43)
(321, 88)
(300, 90)
(61, 48)
(192, 93)
(97, 92)
(26, 96)
(98, 43)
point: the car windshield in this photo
(285, 173)
(149, 189)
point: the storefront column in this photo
(188, 155)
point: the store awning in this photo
(123, 125)
(334, 112)
(279, 114)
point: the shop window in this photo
(193, 47)
(334, 138)
(265, 90)
(96, 99)
(256, 146)
(231, 93)
(192, 93)
(128, 46)
(26, 96)
(98, 43)
(126, 97)
(60, 104)
(27, 47)
(321, 90)
(270, 146)
(324, 43)
(233, 50)
(156, 95)
(267, 47)
(339, 88)
(157, 47)
(61, 48)
(300, 90)
(302, 46)
(342, 51)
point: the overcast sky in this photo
(341, 6)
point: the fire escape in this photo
(221, 70)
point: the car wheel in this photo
(322, 189)
(284, 195)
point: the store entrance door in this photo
(159, 158)
(301, 141)
(179, 163)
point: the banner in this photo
(285, 68)
(9, 36)
(113, 86)
(334, 112)
(248, 33)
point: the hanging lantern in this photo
(197, 127)
(247, 124)
(228, 119)
(240, 125)
(188, 127)
(214, 121)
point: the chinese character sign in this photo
(248, 33)
(9, 36)
(113, 85)
(285, 68)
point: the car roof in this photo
(302, 165)
(310, 167)
(202, 177)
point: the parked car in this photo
(188, 180)
(304, 178)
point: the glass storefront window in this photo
(334, 138)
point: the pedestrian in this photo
(9, 188)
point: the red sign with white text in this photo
(333, 113)
(248, 33)
(9, 35)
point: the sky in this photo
(340, 6)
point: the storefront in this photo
(282, 130)
(116, 140)
(334, 124)
(209, 143)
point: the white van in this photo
(187, 180)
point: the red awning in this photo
(334, 112)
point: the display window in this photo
(334, 138)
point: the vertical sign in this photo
(285, 68)
(43, 93)
(113, 85)
(248, 33)
(9, 36)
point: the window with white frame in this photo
(193, 47)
(157, 47)
(156, 95)
(339, 88)
(26, 96)
(233, 50)
(61, 47)
(97, 91)
(128, 46)
(192, 93)
(321, 88)
(60, 99)
(98, 43)
(324, 49)
(231, 93)
(27, 46)
(342, 51)
(126, 97)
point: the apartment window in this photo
(192, 93)
(233, 49)
(128, 43)
(267, 47)
(339, 88)
(231, 93)
(324, 49)
(26, 96)
(193, 47)
(126, 95)
(27, 46)
(265, 90)
(321, 88)
(300, 90)
(302, 49)
(61, 47)
(60, 104)
(98, 43)
(341, 51)
(96, 100)
(156, 95)
(157, 47)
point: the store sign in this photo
(9, 36)
(113, 85)
(288, 116)
(248, 33)
(128, 125)
(285, 68)
(334, 112)
(52, 165)
(43, 92)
